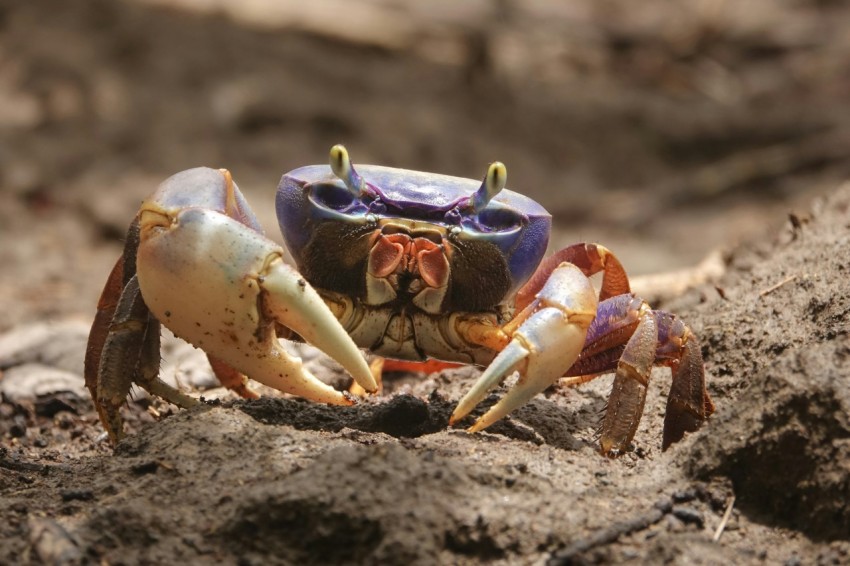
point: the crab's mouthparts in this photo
(412, 228)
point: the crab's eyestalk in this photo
(493, 183)
(342, 167)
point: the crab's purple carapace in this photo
(509, 235)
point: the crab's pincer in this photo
(544, 346)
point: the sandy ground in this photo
(665, 134)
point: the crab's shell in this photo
(323, 226)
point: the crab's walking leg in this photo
(124, 348)
(120, 357)
(688, 403)
(122, 272)
(231, 378)
(132, 349)
(100, 327)
(543, 347)
(628, 336)
(628, 394)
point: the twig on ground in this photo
(611, 534)
(773, 288)
(725, 519)
(658, 286)
(17, 466)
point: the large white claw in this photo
(222, 286)
(543, 348)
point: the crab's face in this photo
(385, 235)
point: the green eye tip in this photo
(494, 182)
(342, 168)
(497, 177)
(340, 161)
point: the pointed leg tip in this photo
(249, 393)
(351, 359)
(359, 390)
(111, 420)
(607, 449)
(114, 436)
(613, 447)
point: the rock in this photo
(29, 381)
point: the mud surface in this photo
(665, 135)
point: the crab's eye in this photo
(499, 220)
(333, 197)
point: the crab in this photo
(409, 265)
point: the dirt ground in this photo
(670, 134)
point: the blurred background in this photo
(663, 130)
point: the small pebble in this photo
(30, 381)
(689, 515)
(684, 495)
(77, 495)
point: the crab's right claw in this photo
(543, 348)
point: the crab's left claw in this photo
(208, 275)
(292, 302)
(196, 261)
(543, 348)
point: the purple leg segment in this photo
(628, 337)
(628, 393)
